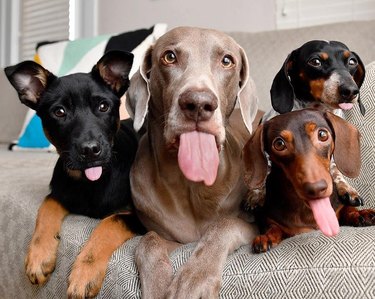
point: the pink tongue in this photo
(325, 216)
(346, 106)
(93, 173)
(198, 157)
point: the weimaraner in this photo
(187, 177)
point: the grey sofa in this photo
(306, 266)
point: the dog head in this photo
(300, 144)
(79, 112)
(322, 71)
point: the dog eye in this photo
(227, 61)
(103, 107)
(279, 144)
(59, 112)
(352, 62)
(169, 57)
(315, 62)
(323, 135)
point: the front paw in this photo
(351, 199)
(86, 279)
(40, 260)
(263, 243)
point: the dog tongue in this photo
(325, 216)
(198, 157)
(93, 173)
(346, 106)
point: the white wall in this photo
(230, 15)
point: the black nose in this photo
(348, 92)
(315, 190)
(198, 105)
(90, 150)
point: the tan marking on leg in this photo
(91, 264)
(41, 257)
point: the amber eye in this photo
(103, 107)
(352, 62)
(323, 135)
(315, 62)
(279, 144)
(227, 61)
(59, 112)
(169, 57)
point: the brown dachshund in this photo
(300, 194)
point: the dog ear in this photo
(114, 68)
(138, 95)
(282, 91)
(255, 161)
(30, 80)
(359, 77)
(247, 96)
(347, 150)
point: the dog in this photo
(300, 194)
(319, 72)
(185, 179)
(80, 116)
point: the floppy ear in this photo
(282, 91)
(138, 95)
(347, 150)
(359, 77)
(255, 161)
(30, 80)
(246, 96)
(114, 68)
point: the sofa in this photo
(306, 266)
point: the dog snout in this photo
(198, 105)
(90, 150)
(348, 92)
(316, 189)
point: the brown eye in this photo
(279, 144)
(323, 135)
(352, 62)
(103, 107)
(227, 61)
(59, 112)
(315, 62)
(169, 57)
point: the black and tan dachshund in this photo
(300, 194)
(80, 116)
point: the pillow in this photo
(364, 183)
(67, 57)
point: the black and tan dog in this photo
(80, 116)
(300, 194)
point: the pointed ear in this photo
(30, 80)
(138, 95)
(282, 91)
(255, 161)
(247, 96)
(346, 145)
(114, 68)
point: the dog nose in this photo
(90, 150)
(348, 92)
(315, 190)
(198, 105)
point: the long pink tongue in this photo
(325, 216)
(198, 157)
(346, 106)
(94, 173)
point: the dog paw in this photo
(263, 243)
(351, 199)
(86, 279)
(40, 261)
